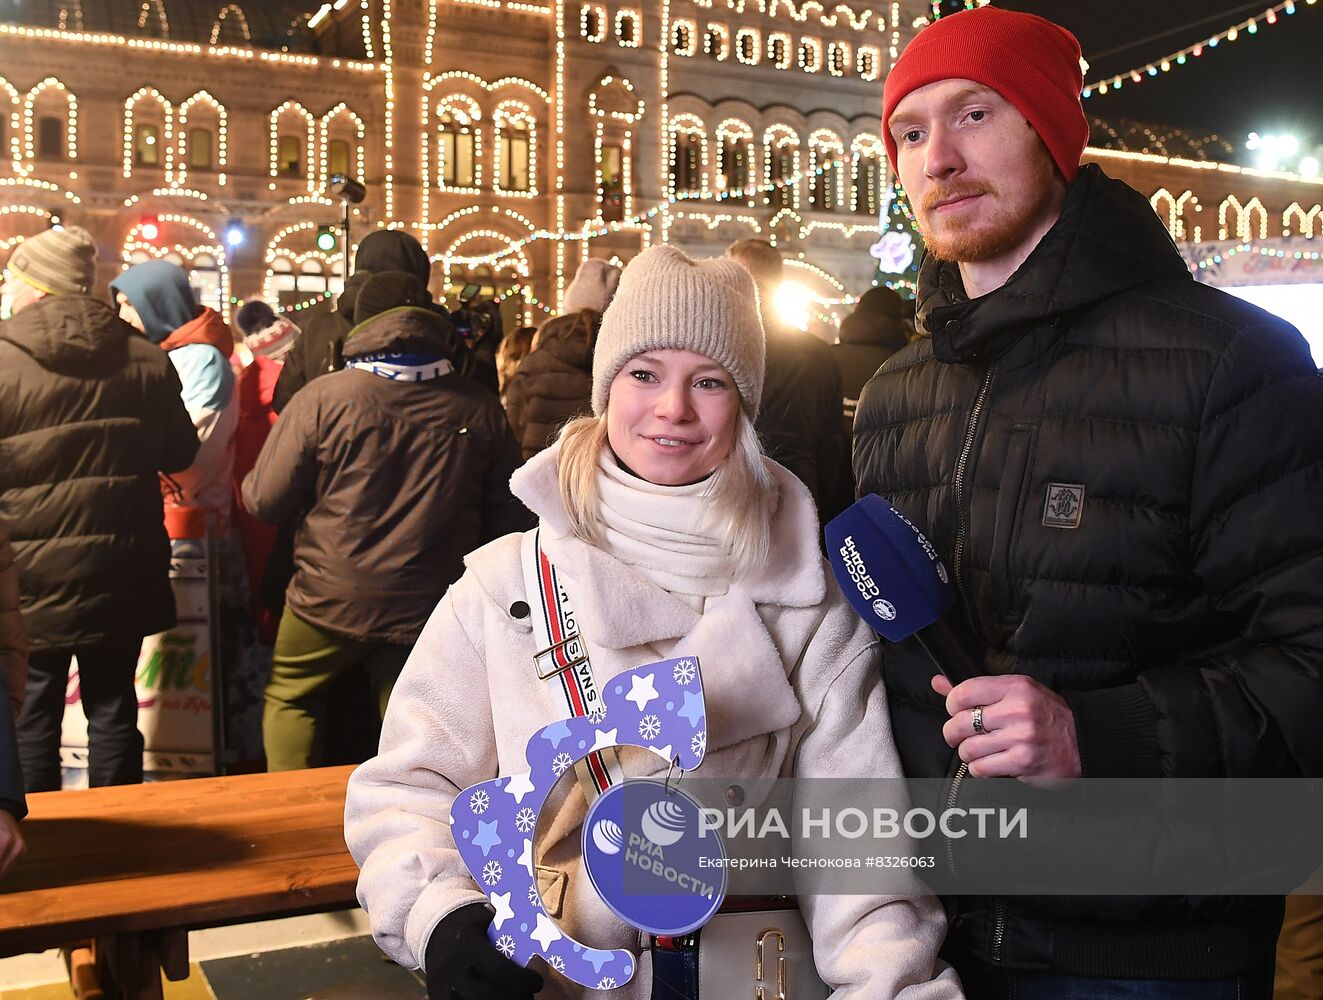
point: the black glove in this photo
(461, 964)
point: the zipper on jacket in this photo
(998, 930)
(962, 519)
(952, 794)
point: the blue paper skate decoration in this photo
(658, 707)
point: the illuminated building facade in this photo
(513, 137)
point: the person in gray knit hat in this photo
(671, 535)
(92, 415)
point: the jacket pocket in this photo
(1010, 502)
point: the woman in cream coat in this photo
(673, 535)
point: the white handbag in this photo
(763, 954)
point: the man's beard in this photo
(1004, 232)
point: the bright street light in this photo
(1309, 167)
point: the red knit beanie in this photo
(1030, 61)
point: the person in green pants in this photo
(398, 467)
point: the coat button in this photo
(735, 795)
(519, 609)
(952, 327)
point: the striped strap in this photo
(562, 658)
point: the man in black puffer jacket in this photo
(91, 415)
(1122, 469)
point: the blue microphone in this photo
(895, 581)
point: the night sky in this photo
(1268, 82)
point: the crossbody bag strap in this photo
(562, 659)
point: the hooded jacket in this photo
(320, 349)
(199, 345)
(13, 675)
(552, 385)
(92, 415)
(866, 340)
(1118, 465)
(393, 481)
(469, 700)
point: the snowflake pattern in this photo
(488, 815)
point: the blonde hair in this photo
(742, 492)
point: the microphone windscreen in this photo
(888, 570)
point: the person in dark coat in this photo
(401, 467)
(800, 420)
(92, 416)
(320, 349)
(1121, 469)
(13, 676)
(872, 333)
(554, 383)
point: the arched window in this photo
(611, 181)
(152, 21)
(868, 62)
(292, 134)
(781, 166)
(457, 144)
(50, 121)
(688, 154)
(866, 197)
(778, 49)
(592, 22)
(230, 27)
(516, 132)
(201, 124)
(628, 32)
(735, 156)
(838, 58)
(825, 162)
(810, 55)
(342, 139)
(748, 45)
(716, 41)
(684, 38)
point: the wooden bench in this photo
(134, 868)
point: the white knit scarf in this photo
(663, 533)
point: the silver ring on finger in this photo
(977, 718)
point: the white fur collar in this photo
(792, 577)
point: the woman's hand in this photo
(462, 964)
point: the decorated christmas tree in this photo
(899, 246)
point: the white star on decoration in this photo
(545, 932)
(604, 739)
(526, 859)
(519, 786)
(501, 900)
(641, 691)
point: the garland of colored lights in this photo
(1225, 255)
(1182, 56)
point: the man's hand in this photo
(1028, 729)
(12, 846)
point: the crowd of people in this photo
(1109, 456)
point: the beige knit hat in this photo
(593, 286)
(57, 262)
(670, 301)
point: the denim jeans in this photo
(675, 974)
(105, 672)
(984, 982)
